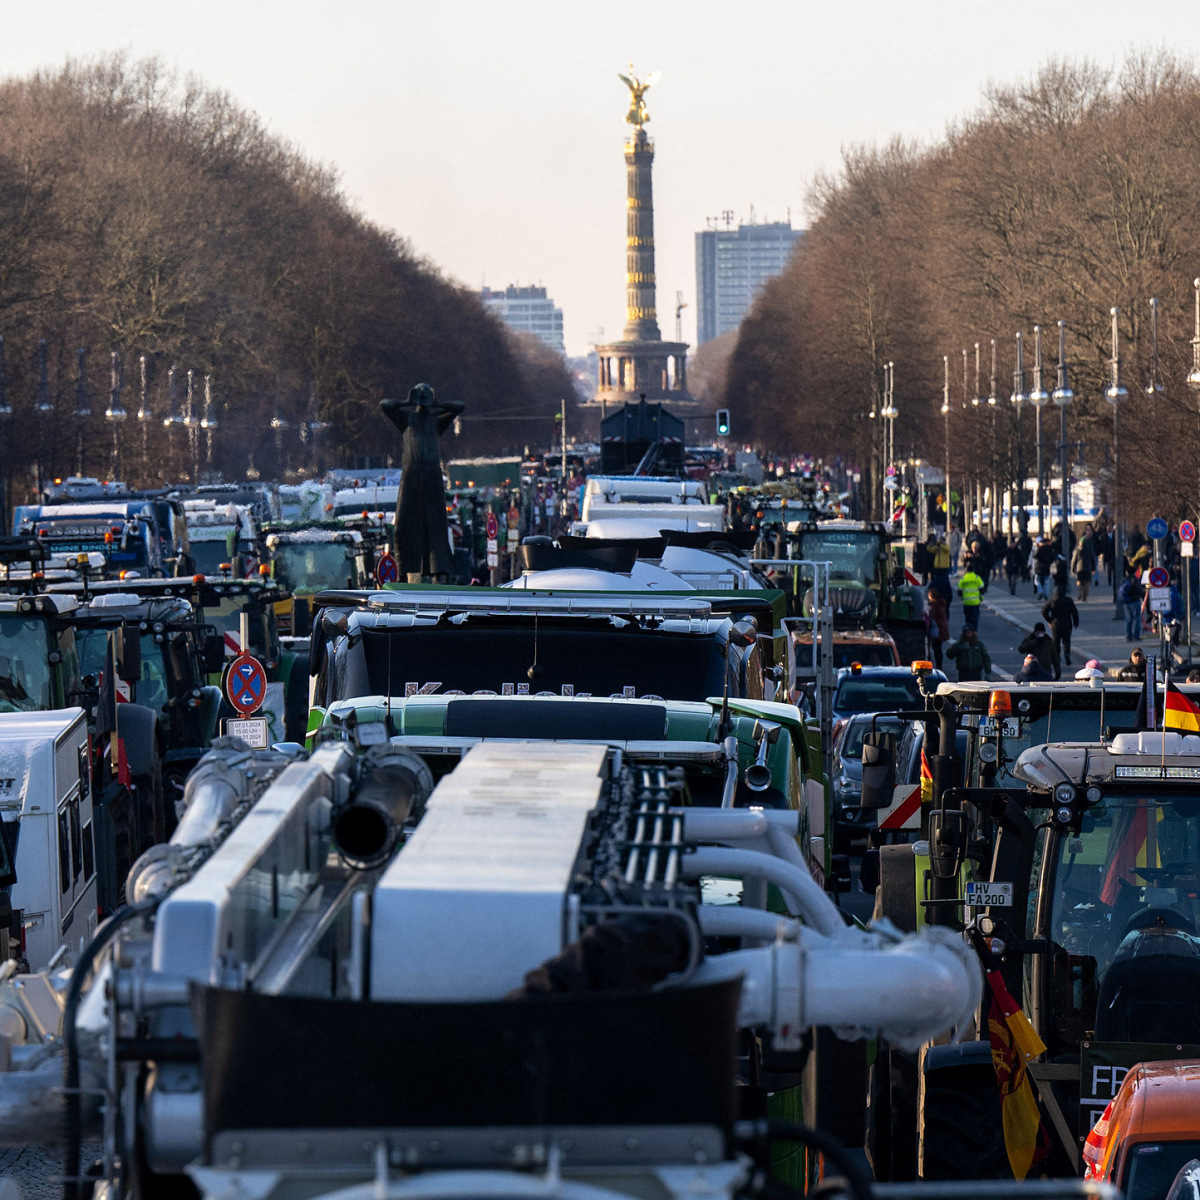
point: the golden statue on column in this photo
(637, 114)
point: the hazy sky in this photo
(489, 132)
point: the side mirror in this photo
(878, 769)
(212, 651)
(868, 870)
(301, 617)
(128, 650)
(743, 634)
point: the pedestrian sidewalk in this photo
(1098, 636)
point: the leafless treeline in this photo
(1061, 197)
(154, 217)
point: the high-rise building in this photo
(732, 265)
(527, 310)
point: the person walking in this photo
(937, 624)
(1084, 563)
(999, 551)
(955, 541)
(1025, 548)
(971, 588)
(1063, 616)
(939, 578)
(1130, 595)
(1043, 560)
(970, 655)
(1041, 645)
(1014, 561)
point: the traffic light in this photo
(722, 422)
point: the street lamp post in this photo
(1039, 397)
(996, 506)
(946, 416)
(1114, 394)
(115, 413)
(44, 409)
(144, 416)
(209, 422)
(83, 408)
(6, 413)
(1018, 398)
(172, 420)
(1063, 397)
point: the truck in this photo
(125, 531)
(517, 930)
(48, 839)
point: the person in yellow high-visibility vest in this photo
(971, 588)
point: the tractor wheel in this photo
(962, 1128)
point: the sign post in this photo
(246, 689)
(1187, 550)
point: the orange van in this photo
(1153, 1128)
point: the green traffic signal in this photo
(722, 422)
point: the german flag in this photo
(1179, 712)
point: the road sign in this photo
(246, 684)
(1159, 577)
(1160, 599)
(514, 517)
(1187, 531)
(890, 483)
(1156, 528)
(386, 569)
(493, 527)
(254, 731)
(1187, 549)
(890, 471)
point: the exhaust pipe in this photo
(394, 782)
(758, 775)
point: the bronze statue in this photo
(637, 114)
(420, 537)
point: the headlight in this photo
(1064, 793)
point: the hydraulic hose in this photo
(760, 1134)
(73, 1118)
(802, 891)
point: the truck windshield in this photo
(862, 693)
(24, 668)
(152, 689)
(852, 553)
(1056, 725)
(311, 567)
(208, 556)
(1135, 862)
(496, 659)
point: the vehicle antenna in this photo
(535, 672)
(387, 719)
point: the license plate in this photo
(998, 895)
(1010, 727)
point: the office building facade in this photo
(732, 266)
(528, 310)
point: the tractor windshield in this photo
(24, 667)
(152, 689)
(311, 567)
(852, 553)
(1134, 866)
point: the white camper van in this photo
(46, 807)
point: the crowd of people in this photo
(1090, 558)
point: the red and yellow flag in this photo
(926, 779)
(1024, 1138)
(1179, 713)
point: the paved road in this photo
(1006, 619)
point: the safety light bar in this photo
(557, 603)
(1000, 704)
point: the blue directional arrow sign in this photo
(246, 684)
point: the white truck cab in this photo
(46, 807)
